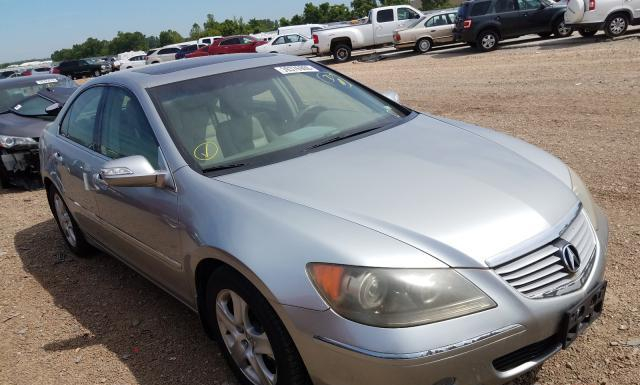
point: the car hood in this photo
(21, 126)
(451, 193)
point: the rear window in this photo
(385, 16)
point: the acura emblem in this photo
(569, 256)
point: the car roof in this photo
(180, 70)
(27, 80)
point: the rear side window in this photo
(168, 51)
(385, 16)
(80, 121)
(437, 20)
(125, 130)
(481, 8)
(231, 41)
(504, 6)
(206, 41)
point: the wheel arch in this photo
(626, 11)
(341, 40)
(490, 27)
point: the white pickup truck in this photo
(376, 31)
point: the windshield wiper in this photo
(223, 167)
(343, 137)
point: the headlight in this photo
(12, 141)
(397, 297)
(582, 192)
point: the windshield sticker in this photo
(18, 107)
(46, 81)
(294, 69)
(206, 151)
(333, 79)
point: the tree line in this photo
(311, 14)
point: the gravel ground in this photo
(65, 320)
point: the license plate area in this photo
(582, 315)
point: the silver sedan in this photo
(325, 233)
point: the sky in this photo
(36, 28)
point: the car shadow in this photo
(159, 339)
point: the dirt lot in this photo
(65, 320)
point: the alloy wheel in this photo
(563, 30)
(488, 41)
(245, 338)
(66, 224)
(618, 25)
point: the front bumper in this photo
(475, 349)
(22, 166)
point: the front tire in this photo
(423, 45)
(616, 25)
(68, 227)
(341, 53)
(487, 41)
(4, 177)
(251, 336)
(561, 30)
(587, 32)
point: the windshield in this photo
(11, 96)
(266, 114)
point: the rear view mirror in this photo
(132, 171)
(392, 95)
(53, 110)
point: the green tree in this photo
(433, 4)
(338, 12)
(152, 42)
(283, 22)
(196, 31)
(170, 37)
(385, 3)
(361, 8)
(128, 41)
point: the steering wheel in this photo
(306, 116)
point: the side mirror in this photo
(392, 95)
(132, 171)
(54, 109)
(417, 16)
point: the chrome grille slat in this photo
(541, 272)
(531, 268)
(527, 260)
(537, 276)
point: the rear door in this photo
(384, 26)
(509, 17)
(440, 28)
(140, 223)
(76, 158)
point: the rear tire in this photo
(487, 40)
(423, 45)
(616, 25)
(255, 342)
(587, 32)
(341, 53)
(69, 229)
(561, 30)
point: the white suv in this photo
(613, 16)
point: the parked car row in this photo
(324, 232)
(478, 23)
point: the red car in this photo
(230, 44)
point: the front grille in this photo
(526, 354)
(542, 271)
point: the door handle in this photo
(498, 18)
(525, 14)
(58, 157)
(433, 30)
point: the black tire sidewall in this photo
(82, 248)
(281, 343)
(556, 28)
(4, 177)
(337, 49)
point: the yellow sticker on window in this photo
(333, 79)
(206, 151)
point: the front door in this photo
(140, 223)
(535, 17)
(76, 160)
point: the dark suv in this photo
(79, 68)
(483, 23)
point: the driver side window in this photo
(79, 123)
(529, 4)
(125, 130)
